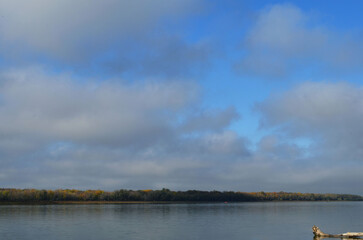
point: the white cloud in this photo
(78, 32)
(113, 113)
(65, 27)
(329, 114)
(315, 107)
(285, 39)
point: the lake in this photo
(232, 221)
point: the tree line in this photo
(164, 195)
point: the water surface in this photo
(257, 221)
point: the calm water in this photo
(257, 221)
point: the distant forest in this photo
(164, 195)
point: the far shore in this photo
(151, 202)
(124, 196)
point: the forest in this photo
(8, 195)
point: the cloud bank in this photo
(60, 127)
(61, 131)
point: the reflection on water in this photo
(178, 221)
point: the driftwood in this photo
(318, 234)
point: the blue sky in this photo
(183, 94)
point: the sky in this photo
(182, 94)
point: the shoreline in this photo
(81, 202)
(155, 202)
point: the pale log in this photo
(320, 234)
